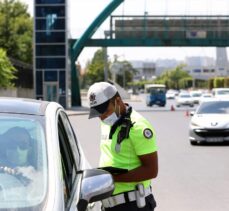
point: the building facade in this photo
(51, 51)
(145, 70)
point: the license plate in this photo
(215, 139)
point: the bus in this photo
(155, 94)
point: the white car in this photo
(196, 95)
(221, 93)
(206, 97)
(51, 172)
(184, 99)
(210, 122)
(171, 94)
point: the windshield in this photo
(196, 95)
(185, 96)
(223, 92)
(23, 162)
(157, 90)
(220, 107)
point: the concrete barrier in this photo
(17, 92)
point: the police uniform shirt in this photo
(141, 141)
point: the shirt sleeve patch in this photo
(148, 133)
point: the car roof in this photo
(216, 89)
(22, 106)
(214, 100)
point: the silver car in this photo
(210, 123)
(42, 165)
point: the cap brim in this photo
(98, 110)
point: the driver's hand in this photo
(7, 170)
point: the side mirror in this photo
(192, 113)
(96, 185)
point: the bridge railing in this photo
(169, 27)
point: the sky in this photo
(82, 12)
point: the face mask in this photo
(110, 120)
(17, 156)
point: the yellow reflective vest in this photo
(141, 141)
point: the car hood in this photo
(211, 120)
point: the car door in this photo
(70, 162)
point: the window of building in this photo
(50, 63)
(50, 37)
(53, 23)
(59, 11)
(50, 1)
(50, 75)
(50, 50)
(62, 82)
(39, 82)
(197, 70)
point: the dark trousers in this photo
(132, 206)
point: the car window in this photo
(185, 96)
(69, 166)
(223, 92)
(72, 139)
(23, 161)
(220, 107)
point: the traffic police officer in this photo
(128, 149)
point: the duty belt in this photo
(121, 199)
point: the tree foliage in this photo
(7, 71)
(126, 73)
(175, 79)
(95, 68)
(16, 30)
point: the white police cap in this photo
(99, 95)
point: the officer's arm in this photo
(148, 170)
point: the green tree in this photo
(176, 78)
(95, 68)
(7, 71)
(126, 73)
(16, 30)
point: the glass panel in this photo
(49, 63)
(23, 149)
(50, 10)
(50, 23)
(50, 50)
(51, 92)
(62, 101)
(50, 1)
(39, 78)
(62, 82)
(50, 37)
(50, 75)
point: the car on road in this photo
(171, 94)
(210, 122)
(42, 165)
(184, 99)
(196, 96)
(206, 97)
(221, 93)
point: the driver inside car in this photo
(17, 151)
(17, 147)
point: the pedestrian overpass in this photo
(150, 31)
(173, 31)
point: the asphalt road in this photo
(191, 178)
